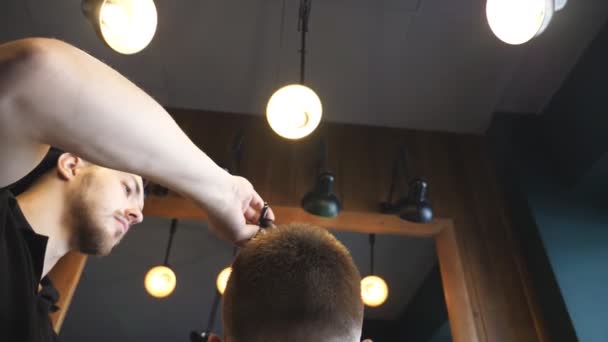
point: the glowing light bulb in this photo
(222, 279)
(114, 17)
(374, 290)
(160, 281)
(294, 111)
(517, 21)
(127, 26)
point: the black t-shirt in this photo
(24, 311)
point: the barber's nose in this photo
(134, 215)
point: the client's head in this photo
(294, 283)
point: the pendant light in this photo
(222, 279)
(294, 111)
(518, 21)
(160, 280)
(322, 201)
(374, 290)
(415, 206)
(126, 26)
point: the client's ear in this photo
(214, 338)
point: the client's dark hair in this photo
(48, 163)
(294, 283)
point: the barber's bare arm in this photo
(52, 93)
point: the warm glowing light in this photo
(160, 281)
(127, 26)
(517, 21)
(294, 111)
(222, 279)
(374, 290)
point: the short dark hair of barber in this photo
(295, 283)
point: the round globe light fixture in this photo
(374, 291)
(517, 21)
(160, 281)
(222, 279)
(294, 111)
(126, 26)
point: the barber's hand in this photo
(235, 218)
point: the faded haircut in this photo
(295, 283)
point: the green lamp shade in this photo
(417, 208)
(322, 201)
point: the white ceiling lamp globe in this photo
(126, 26)
(374, 291)
(294, 111)
(517, 21)
(222, 279)
(160, 281)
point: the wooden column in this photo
(65, 276)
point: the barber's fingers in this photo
(246, 234)
(256, 201)
(253, 213)
(254, 207)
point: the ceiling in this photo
(110, 303)
(425, 64)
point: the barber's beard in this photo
(90, 230)
(93, 238)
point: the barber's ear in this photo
(69, 165)
(214, 338)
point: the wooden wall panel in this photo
(463, 187)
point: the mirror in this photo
(111, 303)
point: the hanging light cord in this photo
(237, 152)
(323, 152)
(303, 29)
(213, 312)
(171, 233)
(372, 242)
(216, 300)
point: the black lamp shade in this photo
(322, 201)
(416, 208)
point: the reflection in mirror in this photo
(110, 303)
